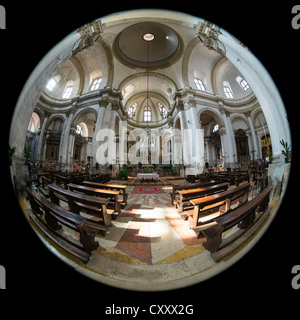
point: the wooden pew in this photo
(234, 178)
(187, 195)
(78, 177)
(111, 195)
(119, 187)
(240, 177)
(50, 217)
(100, 178)
(243, 217)
(220, 202)
(175, 188)
(62, 180)
(43, 187)
(77, 202)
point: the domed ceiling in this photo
(147, 44)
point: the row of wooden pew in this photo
(234, 177)
(211, 208)
(98, 200)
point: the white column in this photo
(224, 145)
(40, 145)
(230, 141)
(254, 138)
(250, 145)
(105, 120)
(70, 152)
(64, 142)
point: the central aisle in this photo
(150, 230)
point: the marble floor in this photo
(149, 247)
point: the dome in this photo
(147, 44)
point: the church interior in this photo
(146, 150)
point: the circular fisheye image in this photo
(150, 150)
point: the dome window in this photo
(96, 84)
(147, 114)
(67, 92)
(51, 84)
(199, 84)
(227, 90)
(244, 85)
(163, 110)
(131, 110)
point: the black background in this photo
(36, 277)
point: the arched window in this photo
(51, 84)
(227, 90)
(96, 84)
(67, 92)
(199, 84)
(163, 110)
(79, 129)
(147, 113)
(215, 128)
(131, 110)
(243, 83)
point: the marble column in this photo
(105, 120)
(224, 146)
(229, 136)
(254, 137)
(64, 143)
(40, 153)
(70, 152)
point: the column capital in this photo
(248, 114)
(112, 97)
(208, 34)
(88, 35)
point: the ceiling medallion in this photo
(148, 36)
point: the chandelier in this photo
(149, 139)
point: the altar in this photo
(148, 176)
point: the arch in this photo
(34, 123)
(215, 72)
(77, 64)
(259, 119)
(54, 118)
(237, 124)
(214, 114)
(177, 123)
(85, 130)
(165, 86)
(85, 110)
(83, 116)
